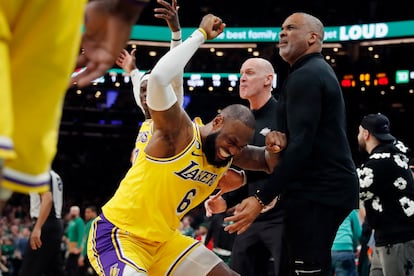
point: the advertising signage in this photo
(358, 32)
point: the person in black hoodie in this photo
(387, 191)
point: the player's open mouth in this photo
(223, 154)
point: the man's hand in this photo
(275, 141)
(270, 205)
(127, 60)
(215, 205)
(246, 212)
(81, 261)
(169, 13)
(35, 241)
(107, 29)
(212, 25)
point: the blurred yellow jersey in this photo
(157, 192)
(39, 40)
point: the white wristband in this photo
(176, 36)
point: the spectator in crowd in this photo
(91, 212)
(74, 234)
(345, 246)
(387, 190)
(186, 227)
(201, 234)
(7, 253)
(222, 241)
(364, 257)
(22, 244)
(411, 165)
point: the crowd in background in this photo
(15, 230)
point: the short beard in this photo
(209, 149)
(362, 147)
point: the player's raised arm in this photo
(172, 126)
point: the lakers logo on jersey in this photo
(143, 136)
(193, 172)
(114, 270)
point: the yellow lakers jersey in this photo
(157, 192)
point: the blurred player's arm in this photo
(108, 25)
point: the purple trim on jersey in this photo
(107, 245)
(25, 183)
(196, 243)
(6, 147)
